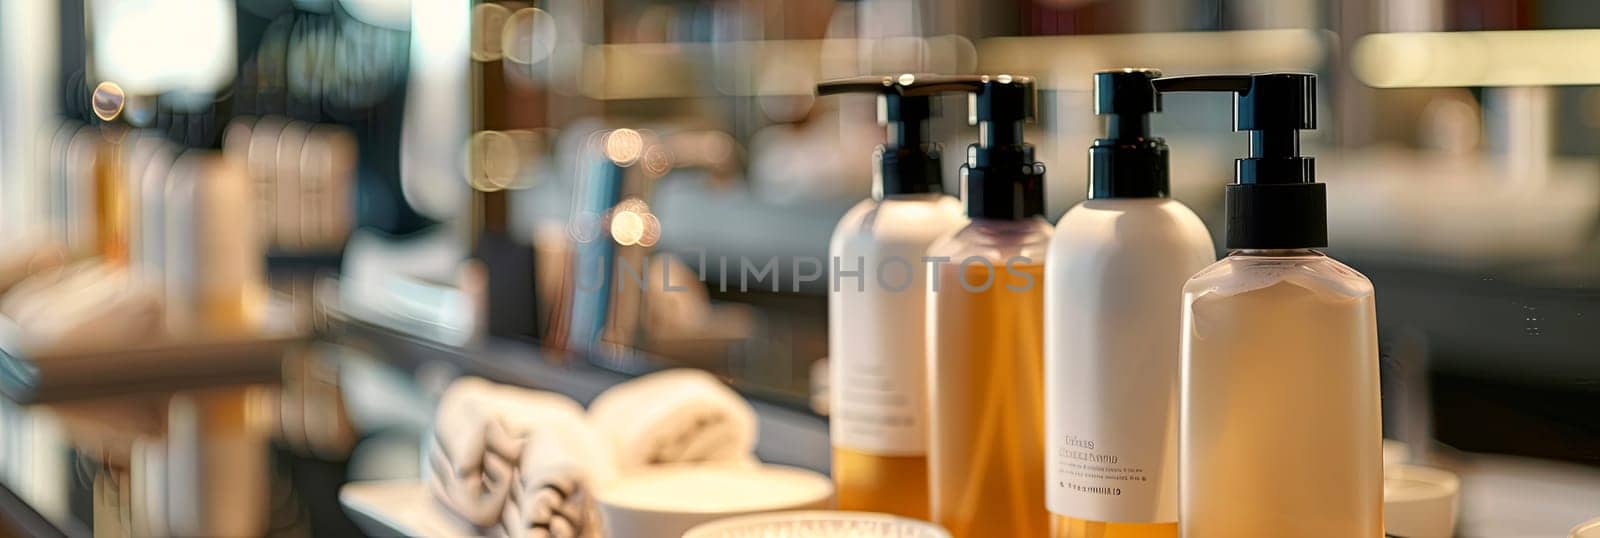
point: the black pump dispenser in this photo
(1127, 162)
(908, 161)
(1001, 179)
(1274, 201)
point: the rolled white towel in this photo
(27, 297)
(85, 304)
(29, 255)
(461, 471)
(495, 447)
(675, 416)
(553, 495)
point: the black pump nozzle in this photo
(908, 161)
(1127, 162)
(1274, 108)
(1274, 201)
(1001, 179)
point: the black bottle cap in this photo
(1127, 162)
(908, 161)
(1001, 179)
(1274, 201)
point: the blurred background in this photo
(247, 242)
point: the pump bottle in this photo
(876, 319)
(111, 207)
(985, 331)
(1281, 431)
(1114, 282)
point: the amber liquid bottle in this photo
(868, 482)
(111, 197)
(986, 380)
(986, 332)
(1071, 527)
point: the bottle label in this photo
(877, 367)
(878, 407)
(1111, 419)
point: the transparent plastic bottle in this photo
(986, 379)
(1281, 430)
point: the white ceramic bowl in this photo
(1587, 529)
(818, 524)
(667, 501)
(1420, 502)
(1395, 453)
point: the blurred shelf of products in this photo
(622, 268)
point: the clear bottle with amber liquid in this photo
(877, 401)
(986, 334)
(986, 379)
(111, 193)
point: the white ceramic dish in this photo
(1420, 502)
(1587, 529)
(1395, 453)
(666, 502)
(400, 508)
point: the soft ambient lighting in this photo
(1067, 62)
(627, 228)
(657, 161)
(165, 46)
(108, 100)
(623, 146)
(529, 36)
(391, 14)
(1460, 59)
(437, 118)
(652, 230)
(632, 223)
(662, 70)
(494, 160)
(488, 21)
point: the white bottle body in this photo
(1281, 424)
(1113, 318)
(876, 322)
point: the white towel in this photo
(462, 472)
(675, 416)
(553, 494)
(87, 303)
(498, 453)
(29, 255)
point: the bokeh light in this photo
(108, 100)
(493, 160)
(488, 24)
(624, 146)
(529, 36)
(627, 227)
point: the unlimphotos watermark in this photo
(893, 274)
